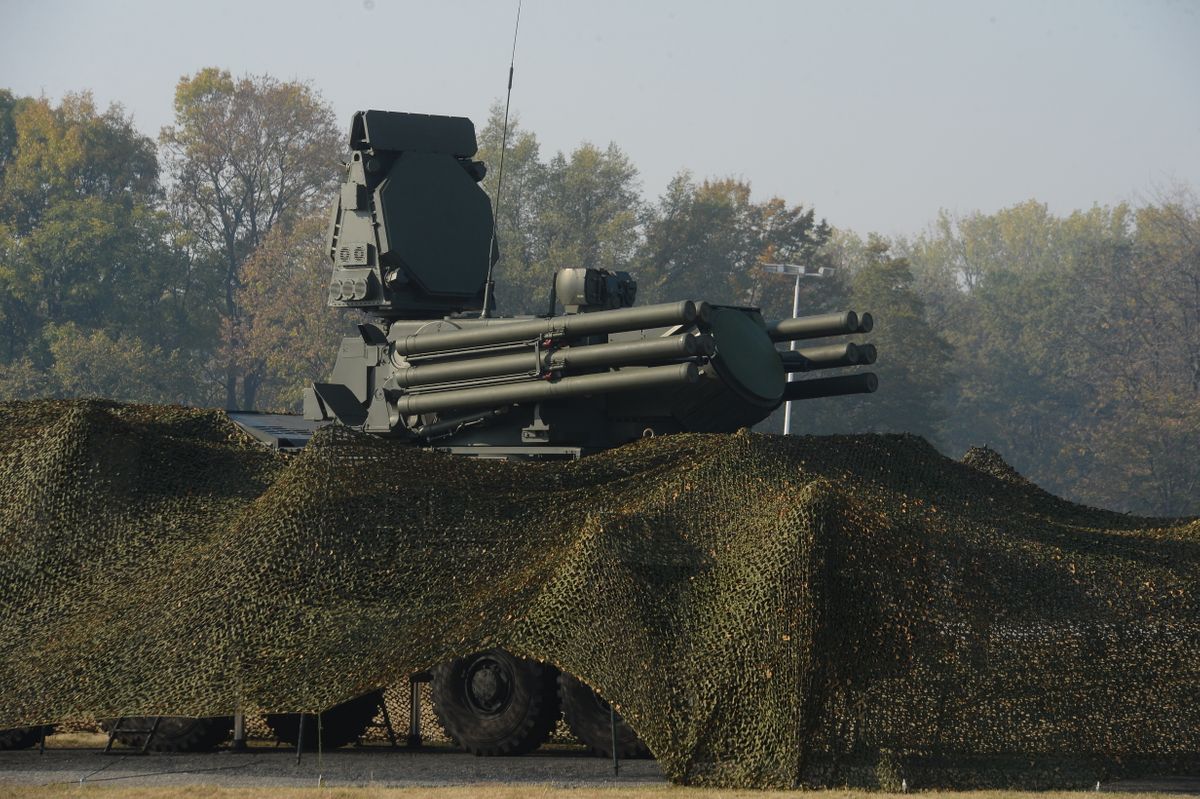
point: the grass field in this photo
(490, 791)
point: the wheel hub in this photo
(489, 687)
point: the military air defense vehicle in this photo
(412, 245)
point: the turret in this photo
(409, 243)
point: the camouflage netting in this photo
(763, 610)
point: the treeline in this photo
(192, 269)
(1071, 344)
(166, 271)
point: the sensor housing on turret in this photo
(412, 229)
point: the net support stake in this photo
(153, 732)
(300, 739)
(612, 726)
(387, 722)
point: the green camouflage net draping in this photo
(764, 611)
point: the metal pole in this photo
(787, 406)
(239, 732)
(414, 714)
(320, 761)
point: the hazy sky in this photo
(875, 113)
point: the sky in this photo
(876, 114)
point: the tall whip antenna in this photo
(490, 285)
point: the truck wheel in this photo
(21, 737)
(588, 718)
(175, 733)
(340, 725)
(493, 703)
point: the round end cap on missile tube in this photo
(745, 357)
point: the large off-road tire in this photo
(587, 716)
(494, 703)
(21, 737)
(175, 733)
(340, 725)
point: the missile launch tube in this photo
(633, 352)
(584, 324)
(542, 390)
(536, 363)
(830, 324)
(830, 356)
(831, 386)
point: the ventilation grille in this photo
(354, 254)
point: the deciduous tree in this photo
(522, 278)
(709, 240)
(82, 237)
(589, 210)
(915, 374)
(285, 336)
(245, 155)
(1074, 338)
(116, 366)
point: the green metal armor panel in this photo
(746, 359)
(394, 130)
(437, 224)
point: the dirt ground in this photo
(493, 792)
(74, 766)
(267, 766)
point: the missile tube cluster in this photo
(829, 356)
(501, 362)
(433, 366)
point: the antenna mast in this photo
(490, 285)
